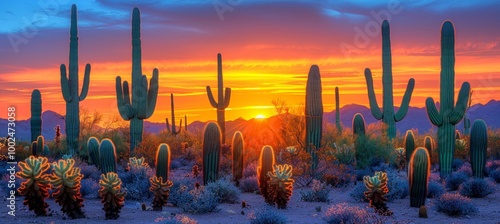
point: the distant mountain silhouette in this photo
(415, 119)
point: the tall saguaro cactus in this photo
(36, 114)
(337, 110)
(69, 87)
(386, 114)
(173, 131)
(314, 114)
(223, 102)
(143, 102)
(448, 115)
(478, 146)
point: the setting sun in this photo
(260, 116)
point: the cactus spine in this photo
(173, 131)
(93, 149)
(223, 102)
(107, 156)
(387, 115)
(36, 114)
(314, 114)
(478, 146)
(211, 152)
(358, 124)
(143, 102)
(69, 88)
(337, 110)
(238, 146)
(448, 115)
(162, 161)
(419, 170)
(409, 145)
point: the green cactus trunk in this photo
(419, 169)
(314, 115)
(107, 156)
(141, 103)
(36, 114)
(223, 102)
(93, 149)
(162, 161)
(358, 124)
(466, 125)
(478, 146)
(267, 160)
(238, 146)
(387, 115)
(69, 88)
(337, 111)
(409, 145)
(448, 115)
(211, 153)
(37, 146)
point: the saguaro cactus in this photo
(238, 147)
(409, 145)
(107, 156)
(387, 115)
(419, 171)
(337, 110)
(211, 152)
(37, 146)
(162, 161)
(358, 124)
(267, 161)
(223, 102)
(429, 144)
(173, 131)
(448, 115)
(36, 114)
(143, 102)
(93, 149)
(478, 146)
(69, 88)
(186, 123)
(314, 114)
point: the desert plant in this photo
(317, 193)
(398, 187)
(112, 195)
(344, 214)
(223, 102)
(401, 158)
(435, 189)
(376, 190)
(422, 212)
(162, 161)
(89, 188)
(173, 131)
(211, 152)
(161, 190)
(409, 145)
(224, 190)
(429, 144)
(476, 187)
(454, 180)
(491, 166)
(179, 219)
(66, 180)
(195, 171)
(419, 171)
(107, 156)
(314, 115)
(37, 146)
(495, 175)
(358, 124)
(198, 200)
(268, 215)
(93, 149)
(36, 115)
(249, 184)
(135, 182)
(238, 147)
(280, 185)
(57, 137)
(455, 205)
(337, 111)
(267, 161)
(37, 184)
(478, 146)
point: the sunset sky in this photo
(267, 49)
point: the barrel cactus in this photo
(112, 196)
(478, 146)
(238, 147)
(107, 156)
(36, 115)
(280, 185)
(376, 191)
(37, 184)
(66, 180)
(419, 173)
(266, 161)
(211, 152)
(314, 114)
(223, 101)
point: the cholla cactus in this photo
(66, 180)
(376, 189)
(137, 162)
(111, 194)
(291, 149)
(401, 158)
(460, 144)
(161, 191)
(35, 188)
(280, 184)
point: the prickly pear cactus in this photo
(37, 184)
(280, 185)
(112, 195)
(66, 181)
(161, 191)
(376, 190)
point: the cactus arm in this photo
(461, 105)
(211, 97)
(65, 85)
(86, 81)
(227, 98)
(123, 99)
(180, 126)
(374, 108)
(434, 116)
(405, 102)
(152, 94)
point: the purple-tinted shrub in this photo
(476, 188)
(492, 165)
(136, 182)
(465, 168)
(317, 193)
(495, 175)
(435, 189)
(89, 188)
(398, 187)
(454, 180)
(268, 215)
(339, 175)
(180, 187)
(358, 193)
(343, 214)
(179, 219)
(456, 163)
(249, 184)
(198, 200)
(250, 170)
(224, 190)
(89, 171)
(455, 205)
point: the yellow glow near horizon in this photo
(260, 116)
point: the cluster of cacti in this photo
(211, 152)
(173, 131)
(112, 195)
(266, 162)
(161, 190)
(429, 144)
(69, 88)
(280, 185)
(337, 111)
(36, 114)
(386, 114)
(448, 115)
(238, 147)
(37, 184)
(57, 137)
(223, 102)
(93, 150)
(478, 146)
(313, 114)
(107, 156)
(376, 190)
(37, 146)
(66, 181)
(143, 102)
(409, 145)
(137, 162)
(358, 125)
(419, 173)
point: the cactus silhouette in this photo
(419, 174)
(162, 161)
(36, 114)
(143, 102)
(313, 114)
(223, 102)
(211, 152)
(478, 146)
(466, 119)
(186, 123)
(93, 149)
(409, 145)
(266, 161)
(66, 180)
(69, 88)
(386, 114)
(337, 110)
(107, 156)
(448, 115)
(238, 150)
(173, 131)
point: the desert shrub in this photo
(456, 163)
(360, 173)
(358, 193)
(491, 166)
(249, 184)
(454, 180)
(317, 193)
(345, 214)
(250, 170)
(465, 168)
(495, 175)
(179, 219)
(179, 188)
(398, 187)
(136, 182)
(89, 188)
(435, 189)
(339, 175)
(268, 215)
(476, 188)
(175, 164)
(89, 171)
(371, 150)
(197, 201)
(225, 190)
(345, 154)
(455, 205)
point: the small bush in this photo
(197, 201)
(179, 188)
(268, 215)
(179, 219)
(249, 184)
(136, 182)
(250, 170)
(456, 163)
(360, 173)
(225, 191)
(492, 166)
(89, 171)
(455, 205)
(89, 188)
(317, 193)
(435, 189)
(465, 168)
(358, 193)
(455, 179)
(476, 188)
(398, 187)
(339, 175)
(495, 175)
(344, 214)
